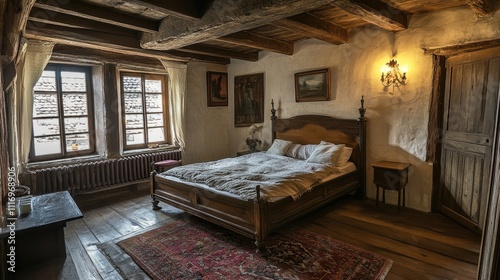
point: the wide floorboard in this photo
(422, 245)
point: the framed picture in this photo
(248, 99)
(216, 89)
(312, 85)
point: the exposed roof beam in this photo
(248, 39)
(185, 9)
(314, 27)
(39, 17)
(96, 13)
(95, 40)
(376, 12)
(480, 7)
(200, 57)
(204, 49)
(72, 53)
(224, 18)
(112, 43)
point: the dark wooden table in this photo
(391, 175)
(39, 237)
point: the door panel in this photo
(471, 102)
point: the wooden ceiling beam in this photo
(40, 17)
(251, 40)
(209, 50)
(112, 43)
(97, 13)
(224, 18)
(185, 9)
(376, 12)
(78, 54)
(480, 7)
(314, 27)
(95, 40)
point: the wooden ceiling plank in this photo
(94, 12)
(224, 18)
(248, 39)
(480, 7)
(39, 18)
(376, 12)
(185, 9)
(95, 40)
(204, 49)
(314, 27)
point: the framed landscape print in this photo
(248, 99)
(312, 85)
(216, 89)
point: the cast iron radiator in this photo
(90, 176)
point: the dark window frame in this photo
(58, 68)
(145, 128)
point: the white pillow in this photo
(344, 156)
(305, 151)
(293, 150)
(279, 147)
(325, 154)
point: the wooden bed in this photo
(257, 218)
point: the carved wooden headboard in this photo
(312, 129)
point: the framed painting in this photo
(248, 99)
(312, 85)
(216, 89)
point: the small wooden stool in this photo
(165, 165)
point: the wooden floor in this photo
(422, 246)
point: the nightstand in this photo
(391, 175)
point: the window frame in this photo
(144, 114)
(58, 68)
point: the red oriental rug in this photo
(195, 249)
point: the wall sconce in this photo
(391, 74)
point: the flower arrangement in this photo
(252, 141)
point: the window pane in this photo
(45, 127)
(156, 135)
(131, 84)
(154, 103)
(135, 136)
(47, 81)
(75, 125)
(75, 104)
(134, 121)
(47, 145)
(133, 103)
(45, 105)
(73, 81)
(77, 142)
(153, 86)
(155, 120)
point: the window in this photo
(62, 113)
(144, 110)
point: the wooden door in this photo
(470, 119)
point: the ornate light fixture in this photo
(391, 74)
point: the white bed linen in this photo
(293, 178)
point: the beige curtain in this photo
(29, 69)
(177, 90)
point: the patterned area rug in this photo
(195, 249)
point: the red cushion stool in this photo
(165, 165)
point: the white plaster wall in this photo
(397, 120)
(206, 132)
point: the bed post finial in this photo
(273, 121)
(273, 111)
(362, 109)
